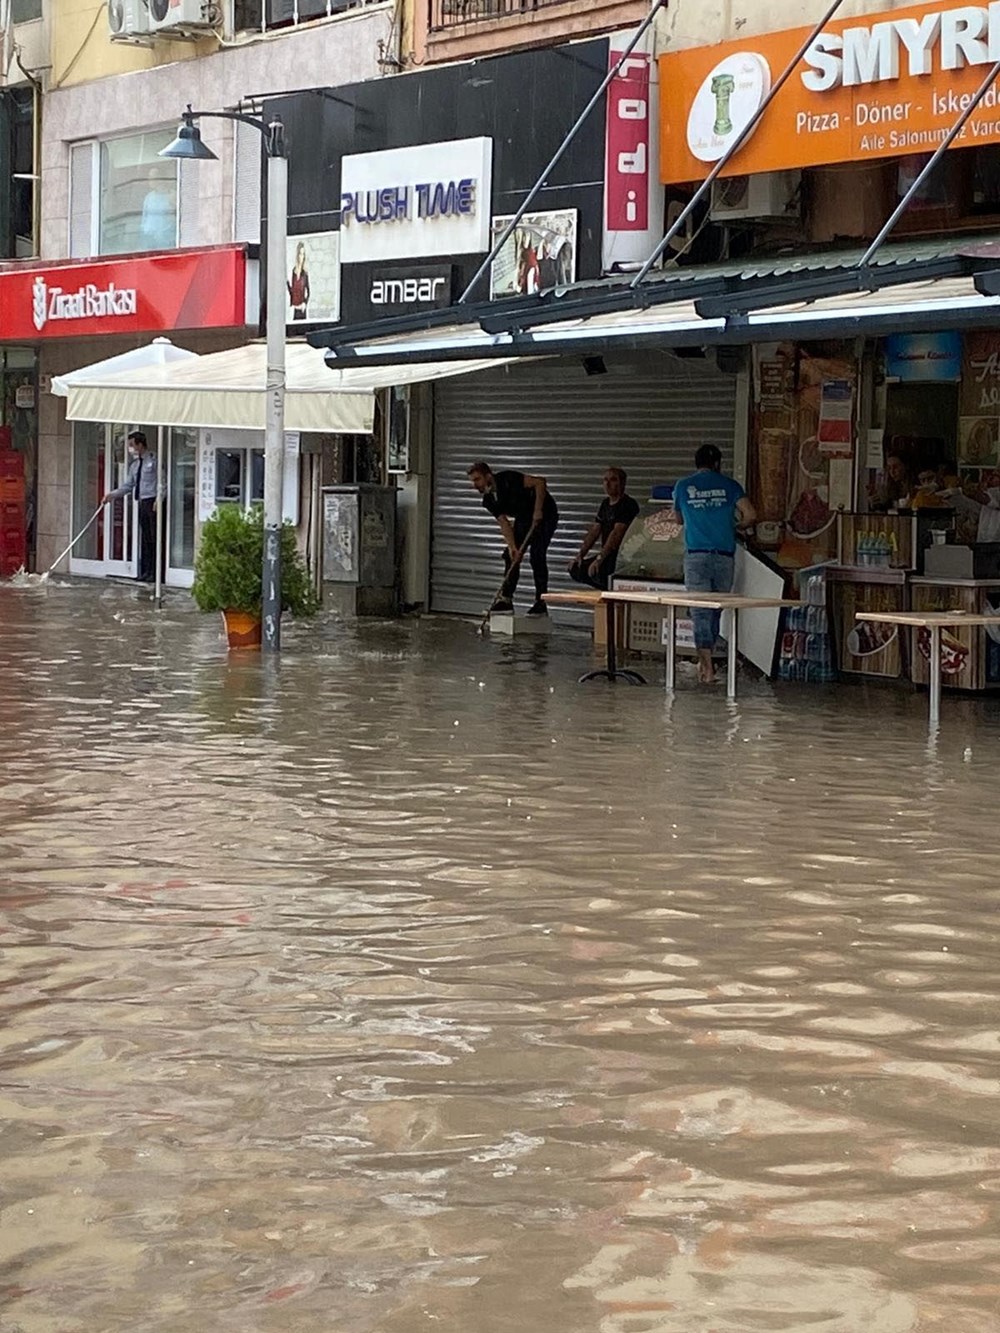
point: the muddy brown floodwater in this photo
(412, 986)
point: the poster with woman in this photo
(312, 282)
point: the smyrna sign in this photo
(887, 85)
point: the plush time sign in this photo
(407, 203)
(875, 87)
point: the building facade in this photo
(112, 82)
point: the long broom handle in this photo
(64, 554)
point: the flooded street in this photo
(414, 986)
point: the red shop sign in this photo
(182, 289)
(633, 201)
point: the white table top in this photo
(926, 619)
(717, 601)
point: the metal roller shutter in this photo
(648, 414)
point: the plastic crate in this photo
(11, 463)
(10, 564)
(11, 513)
(12, 543)
(12, 490)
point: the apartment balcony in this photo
(460, 29)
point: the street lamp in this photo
(188, 147)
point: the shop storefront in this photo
(647, 413)
(419, 210)
(57, 318)
(853, 436)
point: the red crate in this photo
(12, 542)
(10, 564)
(12, 490)
(11, 463)
(11, 513)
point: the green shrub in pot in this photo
(228, 566)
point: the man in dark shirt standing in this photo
(609, 528)
(521, 504)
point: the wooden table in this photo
(715, 601)
(934, 621)
(596, 601)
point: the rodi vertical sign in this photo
(881, 86)
(633, 203)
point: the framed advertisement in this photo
(397, 431)
(540, 253)
(312, 278)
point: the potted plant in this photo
(227, 573)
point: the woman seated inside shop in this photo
(893, 486)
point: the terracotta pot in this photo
(242, 630)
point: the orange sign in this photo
(879, 86)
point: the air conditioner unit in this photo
(769, 194)
(128, 21)
(182, 18)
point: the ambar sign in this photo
(887, 85)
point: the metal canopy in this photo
(911, 289)
(696, 306)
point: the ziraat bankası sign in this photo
(879, 86)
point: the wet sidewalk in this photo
(412, 986)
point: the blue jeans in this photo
(707, 571)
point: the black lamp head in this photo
(188, 145)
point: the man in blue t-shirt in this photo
(712, 508)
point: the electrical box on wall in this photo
(128, 21)
(768, 194)
(182, 18)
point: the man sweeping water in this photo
(526, 512)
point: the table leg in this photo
(613, 618)
(935, 675)
(671, 670)
(734, 638)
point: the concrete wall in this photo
(704, 22)
(344, 50)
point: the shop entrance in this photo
(110, 545)
(921, 426)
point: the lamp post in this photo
(189, 147)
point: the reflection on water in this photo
(413, 986)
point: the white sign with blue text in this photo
(409, 203)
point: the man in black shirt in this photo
(521, 504)
(609, 527)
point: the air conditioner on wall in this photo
(128, 21)
(769, 194)
(182, 18)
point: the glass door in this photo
(182, 480)
(89, 462)
(100, 464)
(120, 515)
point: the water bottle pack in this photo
(806, 649)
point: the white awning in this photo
(160, 352)
(227, 389)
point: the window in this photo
(138, 194)
(239, 476)
(124, 197)
(23, 11)
(265, 15)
